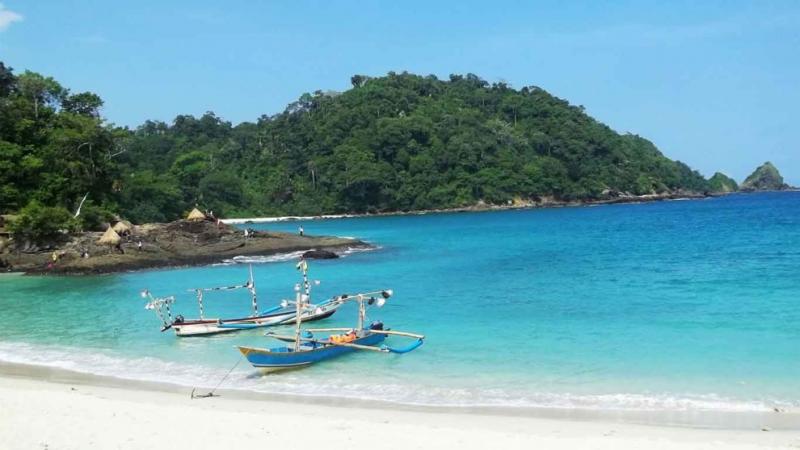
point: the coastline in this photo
(69, 410)
(484, 207)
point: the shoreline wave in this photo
(282, 257)
(97, 362)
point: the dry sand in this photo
(38, 414)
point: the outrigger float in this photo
(278, 315)
(308, 349)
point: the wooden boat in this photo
(203, 326)
(307, 349)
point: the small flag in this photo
(302, 265)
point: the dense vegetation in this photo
(722, 183)
(398, 142)
(765, 178)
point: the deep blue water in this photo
(671, 305)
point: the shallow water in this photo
(662, 306)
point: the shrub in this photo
(40, 223)
(94, 217)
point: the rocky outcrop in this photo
(765, 178)
(180, 243)
(722, 184)
(320, 254)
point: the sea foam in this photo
(100, 362)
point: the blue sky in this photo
(715, 84)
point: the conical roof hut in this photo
(122, 226)
(196, 215)
(110, 237)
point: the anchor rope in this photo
(211, 393)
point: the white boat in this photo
(203, 326)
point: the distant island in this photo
(397, 143)
(722, 184)
(765, 178)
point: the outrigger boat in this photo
(307, 349)
(203, 326)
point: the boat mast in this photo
(200, 302)
(362, 312)
(299, 300)
(251, 286)
(306, 284)
(297, 320)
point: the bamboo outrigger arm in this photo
(396, 333)
(399, 333)
(385, 293)
(250, 285)
(284, 337)
(382, 349)
(324, 330)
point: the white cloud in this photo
(7, 17)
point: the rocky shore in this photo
(180, 243)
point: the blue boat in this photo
(308, 349)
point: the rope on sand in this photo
(212, 392)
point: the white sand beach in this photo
(39, 414)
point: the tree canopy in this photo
(765, 178)
(397, 142)
(721, 183)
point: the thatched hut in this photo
(110, 238)
(196, 215)
(123, 227)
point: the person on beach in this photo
(54, 260)
(300, 230)
(139, 245)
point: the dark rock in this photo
(181, 243)
(320, 254)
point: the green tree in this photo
(39, 223)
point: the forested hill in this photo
(398, 142)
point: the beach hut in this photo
(110, 238)
(196, 215)
(123, 227)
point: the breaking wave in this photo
(281, 257)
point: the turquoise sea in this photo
(682, 305)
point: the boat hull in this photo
(206, 327)
(285, 358)
(216, 326)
